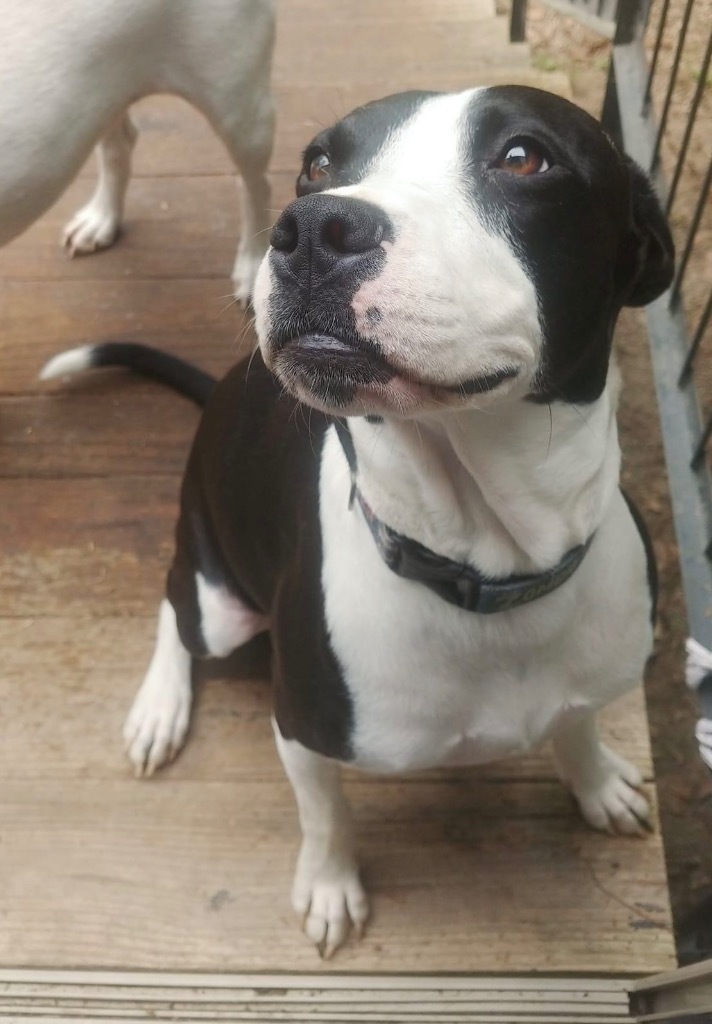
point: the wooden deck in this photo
(472, 873)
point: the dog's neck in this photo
(509, 490)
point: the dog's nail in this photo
(645, 824)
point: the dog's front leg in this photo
(159, 717)
(327, 891)
(606, 786)
(97, 224)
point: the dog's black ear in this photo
(651, 253)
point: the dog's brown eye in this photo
(523, 158)
(319, 167)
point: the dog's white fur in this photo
(69, 69)
(157, 725)
(505, 484)
(438, 318)
(225, 621)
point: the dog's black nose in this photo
(318, 234)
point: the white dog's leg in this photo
(96, 225)
(158, 721)
(604, 784)
(327, 891)
(249, 139)
(255, 194)
(251, 154)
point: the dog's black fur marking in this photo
(252, 481)
(565, 225)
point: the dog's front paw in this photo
(157, 724)
(329, 897)
(91, 228)
(611, 801)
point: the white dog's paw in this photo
(703, 734)
(157, 724)
(91, 228)
(612, 802)
(244, 273)
(329, 900)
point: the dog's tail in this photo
(175, 373)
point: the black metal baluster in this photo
(692, 115)
(696, 342)
(692, 232)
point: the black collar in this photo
(456, 582)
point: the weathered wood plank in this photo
(378, 11)
(193, 318)
(376, 49)
(111, 425)
(234, 997)
(182, 875)
(85, 547)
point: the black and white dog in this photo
(439, 545)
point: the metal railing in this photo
(653, 114)
(600, 15)
(636, 87)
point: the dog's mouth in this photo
(353, 376)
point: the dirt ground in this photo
(684, 784)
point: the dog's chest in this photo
(429, 684)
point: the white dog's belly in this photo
(436, 721)
(402, 749)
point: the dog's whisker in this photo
(551, 430)
(420, 438)
(250, 361)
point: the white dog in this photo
(69, 70)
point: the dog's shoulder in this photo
(253, 480)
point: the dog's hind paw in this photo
(330, 901)
(613, 802)
(91, 228)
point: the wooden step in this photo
(346, 999)
(399, 48)
(483, 871)
(492, 901)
